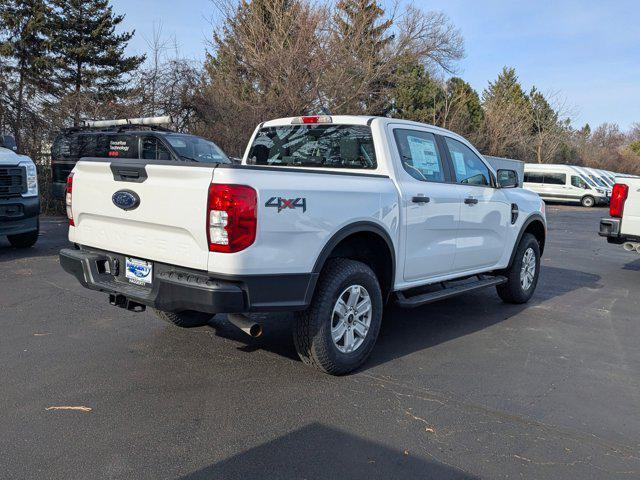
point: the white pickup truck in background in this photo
(329, 217)
(19, 200)
(623, 225)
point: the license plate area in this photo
(138, 271)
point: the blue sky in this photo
(588, 51)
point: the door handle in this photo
(470, 201)
(420, 199)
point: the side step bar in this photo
(449, 289)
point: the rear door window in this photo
(154, 149)
(318, 146)
(419, 155)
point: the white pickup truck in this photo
(329, 217)
(19, 201)
(623, 225)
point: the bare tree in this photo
(505, 128)
(360, 74)
(265, 61)
(550, 121)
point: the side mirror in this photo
(507, 179)
(7, 141)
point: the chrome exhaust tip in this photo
(244, 323)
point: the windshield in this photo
(597, 180)
(588, 180)
(608, 181)
(319, 146)
(198, 149)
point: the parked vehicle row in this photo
(568, 183)
(19, 201)
(329, 217)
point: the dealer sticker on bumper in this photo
(139, 271)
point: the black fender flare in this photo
(532, 218)
(350, 229)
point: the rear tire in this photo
(186, 319)
(522, 276)
(24, 240)
(339, 329)
(588, 201)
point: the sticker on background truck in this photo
(284, 203)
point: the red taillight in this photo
(67, 198)
(231, 217)
(618, 197)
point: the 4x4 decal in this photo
(284, 203)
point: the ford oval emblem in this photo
(125, 199)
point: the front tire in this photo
(339, 329)
(24, 240)
(522, 276)
(588, 201)
(186, 319)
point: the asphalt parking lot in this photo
(467, 388)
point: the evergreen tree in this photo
(361, 30)
(90, 54)
(454, 104)
(507, 118)
(585, 132)
(463, 112)
(546, 128)
(505, 89)
(416, 96)
(26, 59)
(362, 24)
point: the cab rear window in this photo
(318, 146)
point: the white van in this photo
(607, 177)
(595, 177)
(563, 183)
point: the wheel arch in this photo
(535, 225)
(367, 242)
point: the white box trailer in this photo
(509, 164)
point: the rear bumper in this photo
(19, 215)
(611, 229)
(176, 289)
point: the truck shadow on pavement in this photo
(405, 331)
(304, 453)
(51, 240)
(635, 265)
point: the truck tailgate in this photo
(631, 215)
(167, 226)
